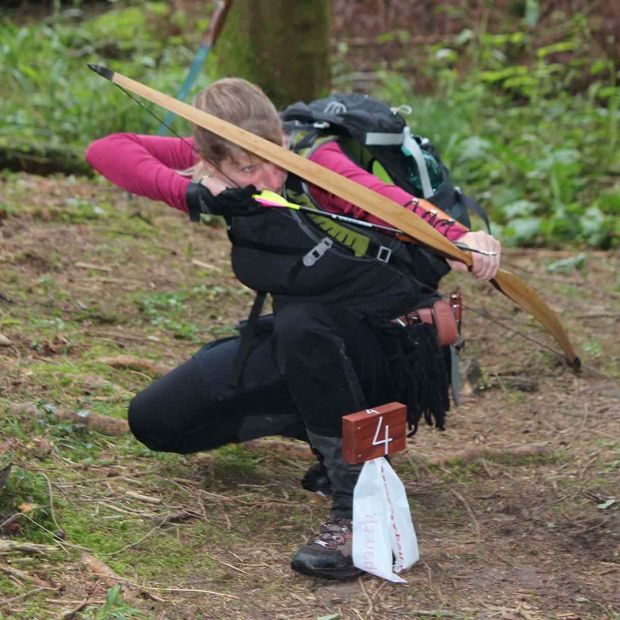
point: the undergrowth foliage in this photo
(53, 94)
(528, 126)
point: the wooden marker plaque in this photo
(371, 433)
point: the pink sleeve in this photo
(145, 165)
(331, 156)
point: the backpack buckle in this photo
(317, 251)
(384, 254)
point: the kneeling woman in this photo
(332, 347)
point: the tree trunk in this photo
(281, 45)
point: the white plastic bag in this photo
(382, 526)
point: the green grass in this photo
(114, 608)
(232, 464)
(56, 97)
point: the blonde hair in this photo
(239, 102)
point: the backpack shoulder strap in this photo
(248, 333)
(474, 205)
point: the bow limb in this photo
(380, 206)
(516, 289)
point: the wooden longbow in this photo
(506, 282)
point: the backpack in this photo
(376, 137)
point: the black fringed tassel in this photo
(420, 373)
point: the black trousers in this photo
(317, 365)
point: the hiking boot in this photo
(316, 480)
(329, 555)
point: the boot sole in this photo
(334, 574)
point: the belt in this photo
(443, 314)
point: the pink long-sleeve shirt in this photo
(148, 166)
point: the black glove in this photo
(233, 201)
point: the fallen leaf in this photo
(607, 504)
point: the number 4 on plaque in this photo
(376, 441)
(372, 433)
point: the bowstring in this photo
(485, 314)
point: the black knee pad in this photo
(159, 416)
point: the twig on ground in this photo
(371, 606)
(51, 494)
(418, 461)
(494, 454)
(18, 597)
(229, 565)
(104, 268)
(593, 527)
(107, 575)
(20, 574)
(63, 544)
(129, 361)
(133, 513)
(225, 498)
(203, 265)
(101, 423)
(599, 315)
(12, 545)
(586, 414)
(158, 589)
(143, 498)
(485, 466)
(585, 468)
(438, 613)
(137, 542)
(429, 573)
(470, 512)
(376, 592)
(70, 601)
(69, 614)
(10, 520)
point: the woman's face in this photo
(247, 170)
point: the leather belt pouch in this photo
(441, 315)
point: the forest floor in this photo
(516, 505)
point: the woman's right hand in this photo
(211, 195)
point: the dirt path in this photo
(515, 505)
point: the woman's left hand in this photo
(484, 267)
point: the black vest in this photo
(297, 256)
